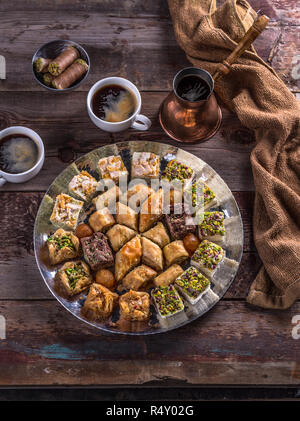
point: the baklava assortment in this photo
(135, 256)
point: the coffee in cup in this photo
(21, 154)
(18, 153)
(114, 103)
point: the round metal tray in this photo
(224, 274)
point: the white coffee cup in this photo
(32, 172)
(136, 121)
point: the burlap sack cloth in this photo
(264, 104)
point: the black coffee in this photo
(193, 88)
(113, 103)
(18, 153)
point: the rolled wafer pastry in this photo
(41, 64)
(71, 74)
(65, 59)
(48, 78)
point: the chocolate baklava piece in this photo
(97, 251)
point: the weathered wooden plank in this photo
(67, 132)
(285, 11)
(128, 8)
(232, 344)
(16, 250)
(117, 45)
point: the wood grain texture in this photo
(18, 216)
(281, 11)
(63, 123)
(45, 345)
(49, 346)
(119, 47)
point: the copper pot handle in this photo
(256, 29)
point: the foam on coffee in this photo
(18, 154)
(113, 103)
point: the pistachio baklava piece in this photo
(212, 227)
(175, 252)
(135, 306)
(100, 303)
(73, 277)
(192, 284)
(200, 196)
(145, 165)
(62, 245)
(112, 167)
(167, 301)
(83, 186)
(66, 211)
(207, 257)
(175, 170)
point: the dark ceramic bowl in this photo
(51, 50)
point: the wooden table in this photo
(234, 344)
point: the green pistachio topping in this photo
(74, 274)
(61, 242)
(168, 300)
(192, 282)
(208, 254)
(208, 194)
(212, 224)
(176, 170)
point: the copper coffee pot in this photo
(196, 121)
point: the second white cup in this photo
(136, 121)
